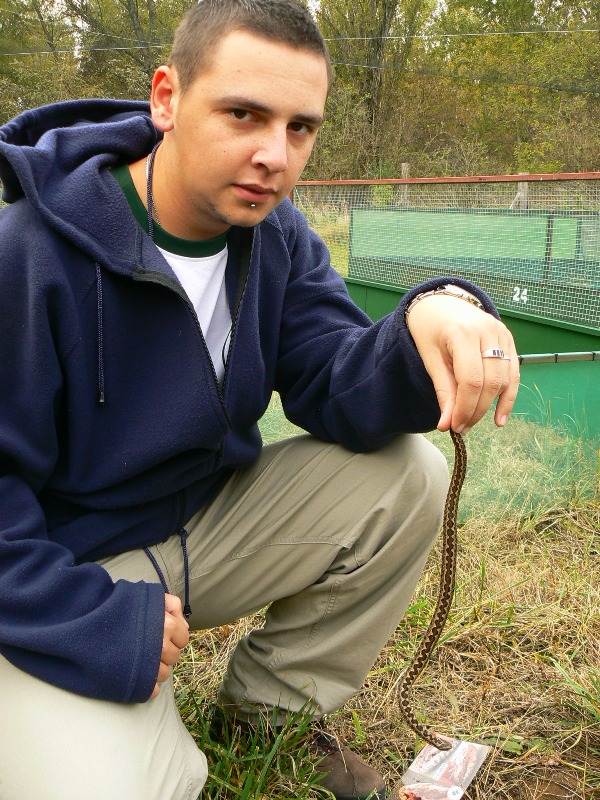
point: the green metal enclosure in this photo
(558, 392)
(532, 242)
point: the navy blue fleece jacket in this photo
(113, 429)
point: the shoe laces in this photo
(325, 742)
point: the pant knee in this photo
(430, 470)
(199, 771)
(419, 474)
(400, 501)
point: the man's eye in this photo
(241, 114)
(299, 127)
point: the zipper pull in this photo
(187, 609)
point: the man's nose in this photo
(272, 150)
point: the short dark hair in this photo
(205, 23)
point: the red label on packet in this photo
(442, 774)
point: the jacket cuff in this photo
(434, 283)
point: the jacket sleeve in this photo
(65, 623)
(342, 377)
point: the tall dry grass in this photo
(518, 666)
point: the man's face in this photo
(237, 140)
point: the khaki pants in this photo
(333, 541)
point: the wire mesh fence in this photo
(533, 245)
(532, 242)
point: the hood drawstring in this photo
(183, 534)
(156, 566)
(101, 397)
(187, 610)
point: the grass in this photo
(333, 226)
(518, 665)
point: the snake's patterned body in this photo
(444, 601)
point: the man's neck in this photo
(170, 220)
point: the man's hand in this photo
(176, 635)
(451, 336)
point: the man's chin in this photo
(242, 214)
(251, 215)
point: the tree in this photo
(37, 59)
(530, 95)
(122, 41)
(371, 43)
(452, 87)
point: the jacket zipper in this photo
(210, 361)
(220, 390)
(244, 264)
(168, 284)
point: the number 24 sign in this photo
(519, 295)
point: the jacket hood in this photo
(57, 156)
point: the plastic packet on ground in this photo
(443, 774)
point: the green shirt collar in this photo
(192, 248)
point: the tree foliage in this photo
(122, 41)
(37, 60)
(452, 87)
(380, 35)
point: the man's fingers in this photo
(446, 400)
(445, 389)
(495, 377)
(481, 379)
(468, 398)
(176, 630)
(506, 400)
(502, 374)
(452, 337)
(173, 606)
(164, 672)
(176, 636)
(170, 653)
(469, 376)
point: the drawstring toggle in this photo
(187, 609)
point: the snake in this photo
(438, 619)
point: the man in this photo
(156, 287)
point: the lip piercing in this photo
(252, 205)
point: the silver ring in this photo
(494, 352)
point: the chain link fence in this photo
(531, 242)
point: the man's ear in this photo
(162, 97)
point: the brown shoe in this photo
(345, 774)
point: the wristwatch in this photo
(446, 288)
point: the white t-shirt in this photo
(200, 268)
(203, 279)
